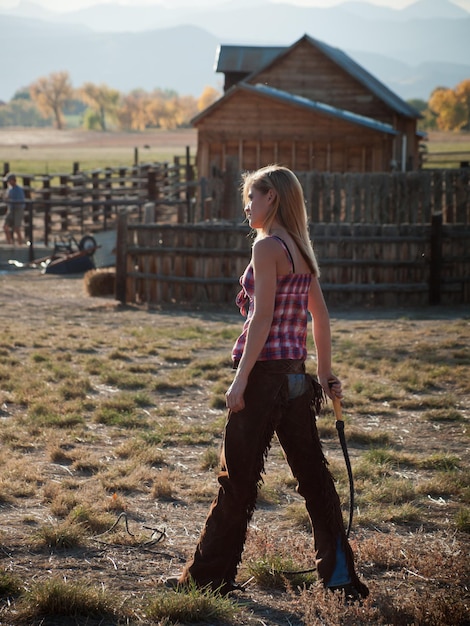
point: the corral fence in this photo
(370, 198)
(86, 202)
(362, 264)
(381, 238)
(384, 198)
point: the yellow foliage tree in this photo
(208, 97)
(155, 109)
(188, 108)
(50, 93)
(131, 113)
(159, 109)
(462, 91)
(450, 107)
(102, 99)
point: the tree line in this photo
(51, 99)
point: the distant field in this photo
(45, 150)
(447, 150)
(448, 141)
(49, 151)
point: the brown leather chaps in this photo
(247, 438)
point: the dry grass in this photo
(54, 151)
(111, 424)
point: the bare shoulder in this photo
(265, 257)
(267, 246)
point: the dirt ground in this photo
(41, 300)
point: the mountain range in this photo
(411, 50)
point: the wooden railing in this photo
(362, 264)
(453, 159)
(88, 201)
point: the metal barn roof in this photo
(320, 107)
(253, 59)
(363, 76)
(246, 59)
(292, 99)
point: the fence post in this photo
(435, 265)
(63, 193)
(6, 169)
(108, 194)
(152, 190)
(46, 196)
(28, 222)
(30, 233)
(189, 189)
(121, 256)
(95, 195)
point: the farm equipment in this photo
(69, 256)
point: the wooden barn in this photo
(309, 107)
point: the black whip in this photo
(342, 439)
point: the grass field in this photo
(48, 151)
(111, 423)
(447, 149)
(439, 141)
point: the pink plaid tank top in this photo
(287, 337)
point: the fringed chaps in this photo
(247, 440)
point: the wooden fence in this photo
(397, 198)
(362, 264)
(373, 233)
(88, 201)
(451, 159)
(376, 198)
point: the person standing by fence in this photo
(15, 200)
(271, 393)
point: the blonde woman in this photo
(272, 394)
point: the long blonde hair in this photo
(288, 206)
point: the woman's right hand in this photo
(234, 397)
(331, 385)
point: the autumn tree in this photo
(462, 91)
(208, 97)
(452, 106)
(140, 110)
(133, 111)
(188, 108)
(51, 93)
(102, 100)
(166, 109)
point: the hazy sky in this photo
(69, 5)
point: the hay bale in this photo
(100, 282)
